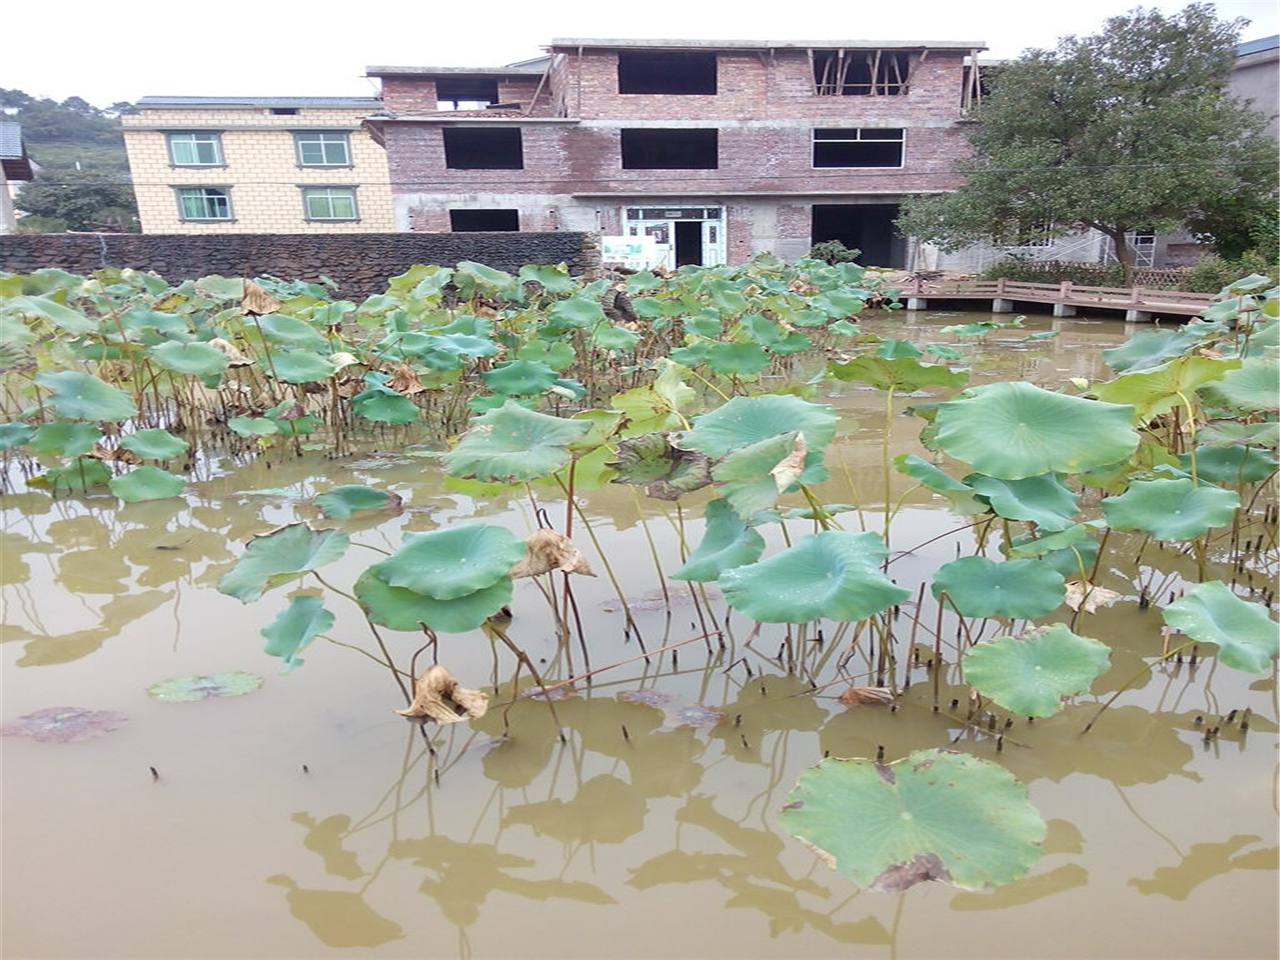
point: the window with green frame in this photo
(323, 148)
(204, 203)
(195, 149)
(329, 203)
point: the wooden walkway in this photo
(1138, 303)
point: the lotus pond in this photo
(732, 613)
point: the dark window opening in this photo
(465, 93)
(867, 227)
(477, 221)
(667, 73)
(479, 148)
(860, 73)
(858, 147)
(669, 149)
(285, 111)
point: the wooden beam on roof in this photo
(538, 89)
(813, 71)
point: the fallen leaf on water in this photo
(1093, 597)
(548, 551)
(856, 696)
(64, 724)
(117, 454)
(438, 697)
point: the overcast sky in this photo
(124, 49)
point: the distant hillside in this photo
(80, 150)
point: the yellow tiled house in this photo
(258, 165)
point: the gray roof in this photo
(233, 103)
(10, 140)
(1258, 46)
(771, 44)
(528, 68)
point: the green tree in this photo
(1131, 128)
(81, 200)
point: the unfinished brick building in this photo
(717, 150)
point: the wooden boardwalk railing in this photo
(1139, 303)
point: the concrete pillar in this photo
(1063, 310)
(917, 303)
(1137, 316)
(1001, 306)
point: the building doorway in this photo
(681, 235)
(862, 226)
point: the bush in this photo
(833, 252)
(1055, 271)
(33, 223)
(1213, 272)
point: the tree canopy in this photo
(1129, 129)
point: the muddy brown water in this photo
(306, 819)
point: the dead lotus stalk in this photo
(437, 696)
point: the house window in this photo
(667, 73)
(1039, 233)
(860, 73)
(323, 149)
(473, 221)
(329, 203)
(204, 203)
(465, 93)
(483, 148)
(858, 147)
(195, 149)
(681, 148)
(284, 111)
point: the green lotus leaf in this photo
(727, 542)
(736, 359)
(512, 443)
(299, 366)
(838, 304)
(960, 495)
(381, 404)
(832, 575)
(345, 501)
(280, 556)
(747, 420)
(16, 435)
(970, 329)
(80, 396)
(1171, 509)
(65, 439)
(1031, 675)
(141, 319)
(892, 349)
(1232, 432)
(1072, 536)
(552, 279)
(933, 815)
(465, 345)
(794, 342)
(63, 317)
(1018, 589)
(154, 444)
(604, 426)
(558, 355)
(80, 474)
(1231, 465)
(1044, 500)
(943, 352)
(578, 313)
(236, 683)
(1074, 561)
(192, 359)
(845, 329)
(253, 426)
(807, 318)
(1015, 430)
(451, 563)
(1159, 389)
(401, 609)
(904, 374)
(147, 483)
(1149, 349)
(520, 378)
(666, 472)
(745, 476)
(295, 627)
(610, 336)
(292, 332)
(1246, 636)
